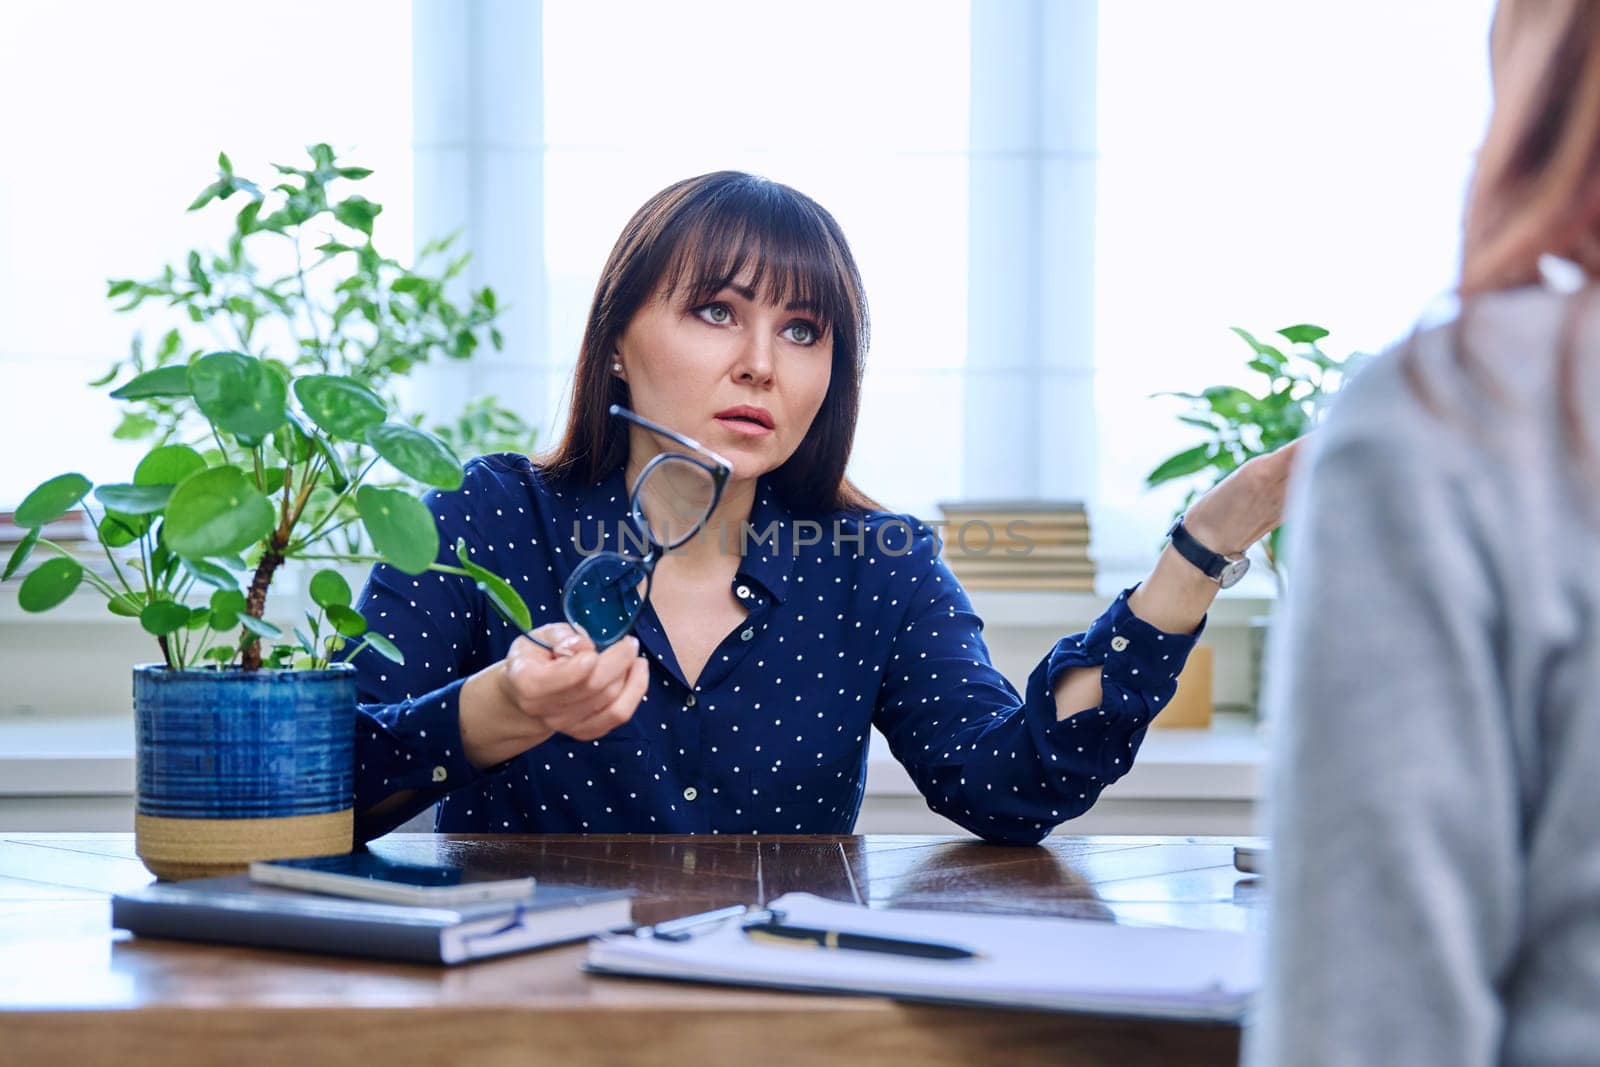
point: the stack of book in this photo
(1019, 544)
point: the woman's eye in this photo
(802, 333)
(716, 314)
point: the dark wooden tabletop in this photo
(74, 991)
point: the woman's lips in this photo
(745, 427)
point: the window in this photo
(111, 129)
(1263, 164)
(863, 107)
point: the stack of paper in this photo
(1051, 964)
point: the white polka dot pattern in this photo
(772, 735)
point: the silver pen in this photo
(679, 929)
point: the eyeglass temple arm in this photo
(687, 442)
(552, 649)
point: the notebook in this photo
(234, 910)
(1023, 962)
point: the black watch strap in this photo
(1212, 564)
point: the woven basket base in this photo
(206, 848)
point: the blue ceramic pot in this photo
(238, 765)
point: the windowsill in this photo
(90, 753)
(59, 756)
(1222, 763)
(1075, 611)
(45, 755)
(1233, 607)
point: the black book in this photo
(234, 910)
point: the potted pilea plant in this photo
(244, 734)
(1239, 424)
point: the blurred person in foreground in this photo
(1436, 677)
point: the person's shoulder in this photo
(1450, 379)
(515, 472)
(492, 482)
(881, 536)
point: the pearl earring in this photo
(617, 367)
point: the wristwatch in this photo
(1224, 570)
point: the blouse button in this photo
(747, 635)
(440, 774)
(742, 592)
(690, 701)
(1118, 644)
(690, 793)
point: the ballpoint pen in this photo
(769, 928)
(679, 929)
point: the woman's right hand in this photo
(574, 691)
(534, 693)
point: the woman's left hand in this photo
(1245, 506)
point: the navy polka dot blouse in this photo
(869, 629)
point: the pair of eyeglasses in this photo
(672, 500)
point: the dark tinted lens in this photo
(674, 499)
(604, 596)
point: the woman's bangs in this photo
(788, 260)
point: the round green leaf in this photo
(1305, 333)
(337, 474)
(217, 512)
(342, 406)
(199, 619)
(347, 621)
(212, 574)
(401, 527)
(292, 440)
(134, 499)
(506, 600)
(128, 605)
(418, 454)
(259, 627)
(118, 529)
(163, 381)
(51, 500)
(385, 647)
(168, 465)
(49, 584)
(228, 600)
(162, 617)
(226, 607)
(330, 590)
(20, 554)
(239, 394)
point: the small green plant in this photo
(263, 457)
(1240, 424)
(222, 528)
(334, 305)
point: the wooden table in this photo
(73, 991)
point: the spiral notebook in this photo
(1023, 962)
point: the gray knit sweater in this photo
(1434, 684)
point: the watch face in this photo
(1235, 570)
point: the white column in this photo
(478, 106)
(1029, 407)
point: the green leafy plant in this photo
(332, 305)
(1240, 424)
(261, 458)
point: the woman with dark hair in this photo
(1436, 864)
(744, 615)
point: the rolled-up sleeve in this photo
(1000, 764)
